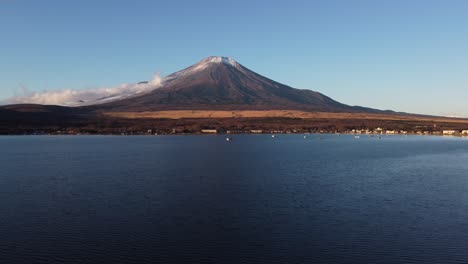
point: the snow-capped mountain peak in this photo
(218, 59)
(203, 64)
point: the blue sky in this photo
(403, 55)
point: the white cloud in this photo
(70, 97)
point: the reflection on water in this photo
(255, 199)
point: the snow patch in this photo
(224, 60)
(202, 65)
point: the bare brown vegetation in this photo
(180, 114)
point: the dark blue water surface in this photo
(256, 199)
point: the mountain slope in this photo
(220, 83)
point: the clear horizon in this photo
(404, 56)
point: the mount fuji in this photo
(221, 83)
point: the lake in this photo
(255, 199)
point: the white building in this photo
(448, 132)
(465, 132)
(378, 130)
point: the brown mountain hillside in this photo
(220, 83)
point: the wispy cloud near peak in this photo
(72, 97)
